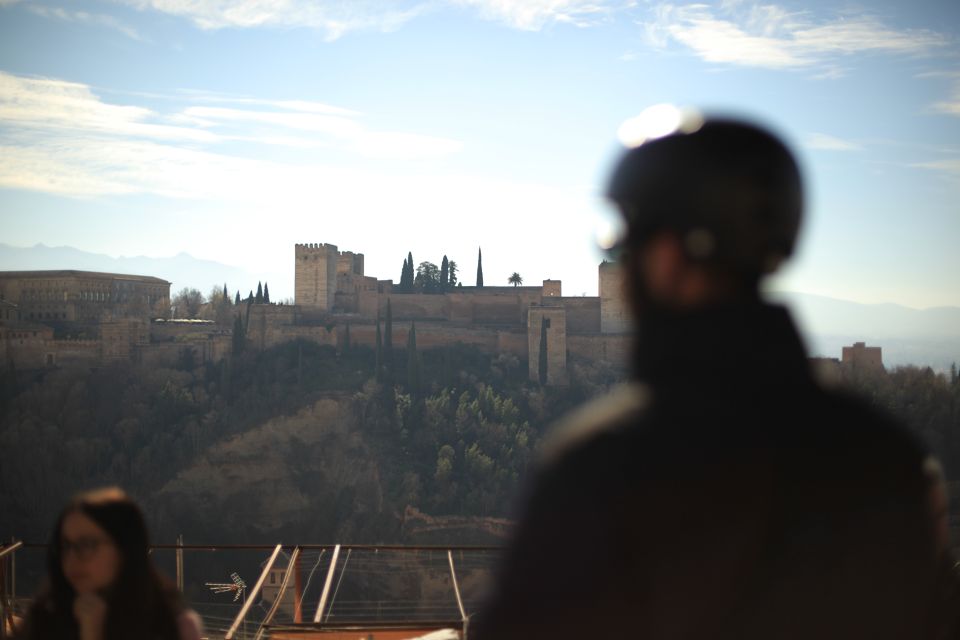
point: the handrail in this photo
(326, 584)
(4, 551)
(291, 569)
(456, 587)
(253, 594)
(306, 547)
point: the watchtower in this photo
(315, 275)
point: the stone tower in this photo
(315, 275)
(614, 311)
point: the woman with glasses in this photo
(101, 583)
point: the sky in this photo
(233, 129)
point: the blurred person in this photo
(722, 493)
(101, 584)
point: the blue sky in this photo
(232, 129)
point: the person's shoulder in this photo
(606, 416)
(189, 625)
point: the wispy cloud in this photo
(61, 137)
(332, 18)
(533, 15)
(336, 18)
(951, 105)
(950, 166)
(825, 142)
(96, 19)
(768, 36)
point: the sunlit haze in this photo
(233, 129)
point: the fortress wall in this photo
(266, 324)
(614, 349)
(83, 353)
(583, 314)
(414, 306)
(513, 342)
(171, 331)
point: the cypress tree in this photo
(479, 268)
(444, 274)
(266, 293)
(542, 364)
(346, 339)
(236, 300)
(237, 338)
(413, 362)
(226, 296)
(388, 338)
(401, 288)
(378, 360)
(259, 299)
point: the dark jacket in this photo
(723, 495)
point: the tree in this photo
(226, 296)
(388, 338)
(236, 301)
(542, 360)
(413, 361)
(187, 303)
(406, 276)
(378, 360)
(452, 274)
(346, 339)
(444, 274)
(515, 279)
(266, 293)
(259, 298)
(479, 268)
(239, 335)
(428, 278)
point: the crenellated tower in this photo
(315, 275)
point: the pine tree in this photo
(259, 298)
(266, 293)
(444, 274)
(542, 363)
(479, 268)
(413, 361)
(236, 300)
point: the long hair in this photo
(139, 603)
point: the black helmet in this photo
(730, 189)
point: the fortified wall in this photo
(67, 318)
(332, 290)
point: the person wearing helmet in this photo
(722, 493)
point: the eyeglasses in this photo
(84, 547)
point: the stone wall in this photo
(583, 314)
(614, 349)
(860, 357)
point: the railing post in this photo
(253, 594)
(326, 585)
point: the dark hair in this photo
(140, 603)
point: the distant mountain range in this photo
(181, 270)
(927, 337)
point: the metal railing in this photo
(377, 588)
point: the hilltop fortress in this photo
(59, 318)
